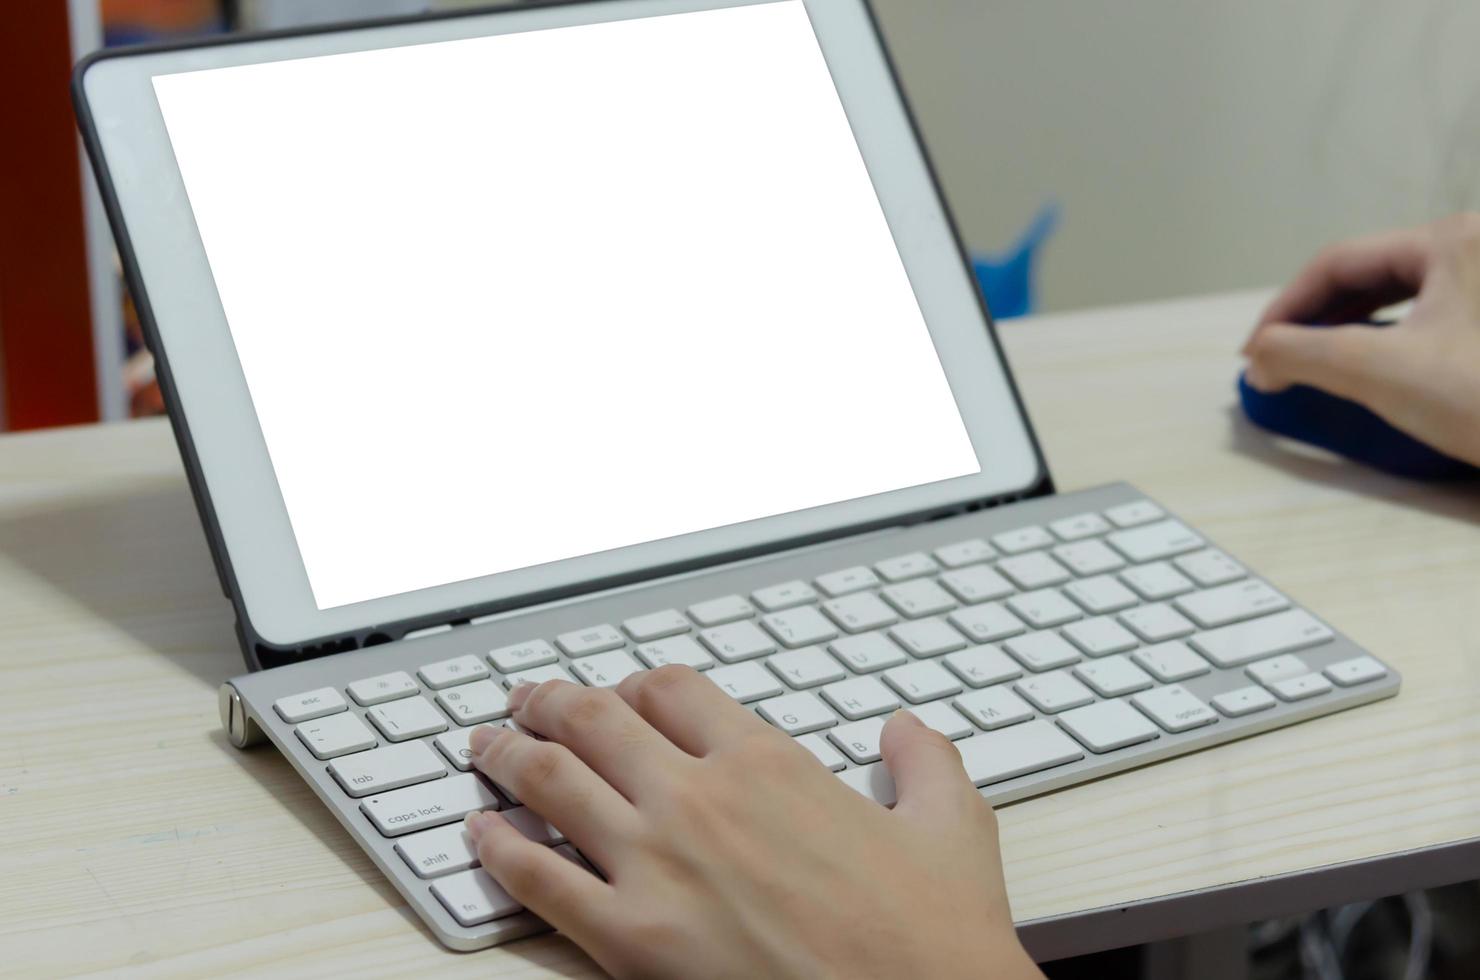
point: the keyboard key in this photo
(1266, 672)
(309, 705)
(428, 805)
(1210, 567)
(964, 553)
(605, 669)
(523, 656)
(859, 740)
(336, 735)
(538, 675)
(1174, 708)
(533, 826)
(823, 751)
(1022, 539)
(927, 637)
(945, 719)
(1058, 691)
(1044, 608)
(1033, 570)
(797, 714)
(860, 613)
(1107, 726)
(987, 622)
(1113, 676)
(458, 670)
(807, 667)
(1133, 513)
(903, 567)
(922, 681)
(655, 626)
(989, 758)
(993, 707)
(860, 697)
(407, 718)
(1101, 594)
(1088, 557)
(675, 650)
(386, 768)
(867, 652)
(1358, 670)
(1100, 636)
(854, 579)
(919, 598)
(717, 612)
(1170, 662)
(454, 745)
(1244, 701)
(1156, 622)
(979, 583)
(799, 627)
(1300, 688)
(735, 642)
(981, 666)
(386, 687)
(1234, 646)
(1042, 651)
(474, 898)
(774, 598)
(1021, 749)
(592, 639)
(443, 850)
(1079, 526)
(473, 704)
(1231, 603)
(439, 851)
(746, 682)
(1160, 540)
(1156, 581)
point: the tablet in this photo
(458, 314)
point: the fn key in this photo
(473, 897)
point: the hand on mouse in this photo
(729, 851)
(1421, 375)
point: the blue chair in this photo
(1007, 277)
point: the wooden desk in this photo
(136, 838)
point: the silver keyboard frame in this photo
(248, 715)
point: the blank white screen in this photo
(514, 299)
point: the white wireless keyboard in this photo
(1055, 640)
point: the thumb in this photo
(1345, 361)
(926, 767)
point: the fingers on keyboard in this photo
(555, 783)
(689, 709)
(544, 880)
(603, 731)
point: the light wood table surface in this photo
(135, 839)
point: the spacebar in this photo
(989, 758)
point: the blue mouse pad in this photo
(1342, 426)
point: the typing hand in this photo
(731, 852)
(1422, 375)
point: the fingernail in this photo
(908, 714)
(482, 738)
(519, 695)
(476, 824)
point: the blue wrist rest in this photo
(1342, 426)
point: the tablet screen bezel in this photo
(224, 450)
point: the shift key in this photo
(428, 805)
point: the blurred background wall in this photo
(1191, 145)
(1195, 145)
